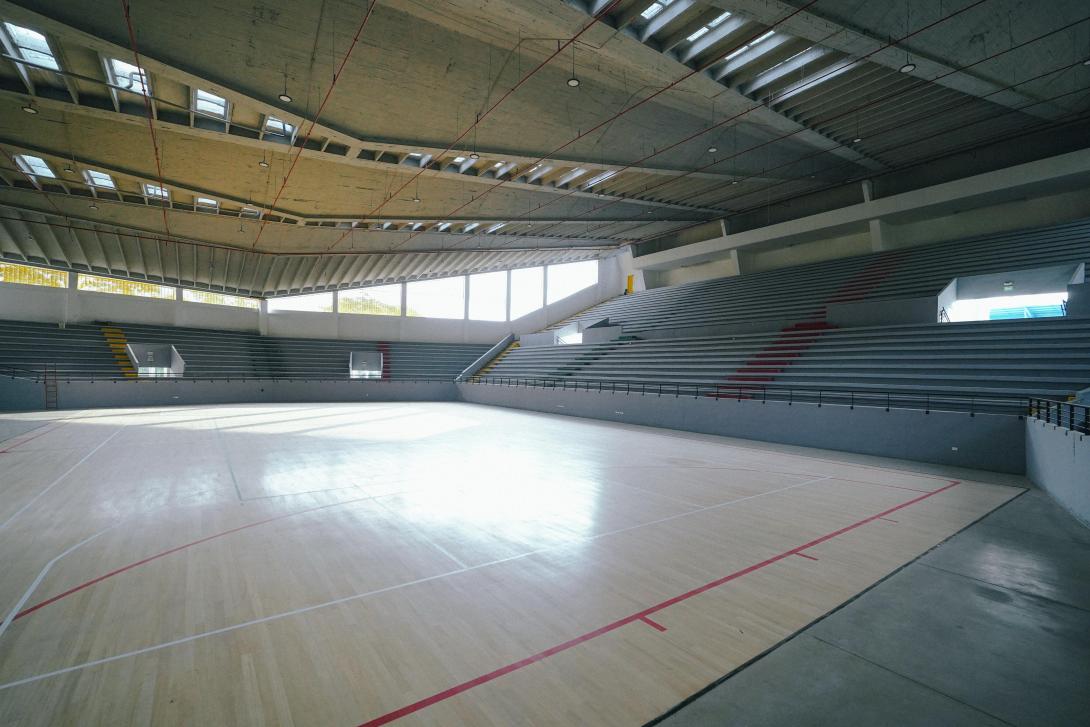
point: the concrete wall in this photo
(984, 441)
(19, 395)
(884, 312)
(1058, 461)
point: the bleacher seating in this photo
(1044, 357)
(803, 292)
(81, 351)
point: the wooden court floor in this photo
(419, 564)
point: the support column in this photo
(263, 317)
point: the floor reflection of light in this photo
(525, 509)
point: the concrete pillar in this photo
(736, 258)
(263, 318)
(881, 236)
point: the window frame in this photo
(115, 79)
(196, 100)
(28, 167)
(19, 50)
(88, 177)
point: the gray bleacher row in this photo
(802, 292)
(81, 351)
(1042, 357)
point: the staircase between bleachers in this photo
(117, 341)
(774, 359)
(866, 281)
(492, 364)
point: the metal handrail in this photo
(1065, 414)
(102, 377)
(926, 401)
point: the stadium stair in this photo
(776, 357)
(117, 341)
(499, 357)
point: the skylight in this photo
(655, 8)
(207, 204)
(274, 125)
(495, 227)
(250, 212)
(99, 179)
(719, 20)
(600, 178)
(129, 77)
(155, 191)
(471, 227)
(30, 45)
(699, 32)
(210, 104)
(34, 166)
(459, 160)
(747, 46)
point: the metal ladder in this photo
(49, 379)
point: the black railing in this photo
(38, 376)
(1014, 405)
(1065, 414)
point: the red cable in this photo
(692, 72)
(147, 109)
(689, 138)
(306, 136)
(594, 19)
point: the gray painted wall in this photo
(1058, 461)
(884, 312)
(986, 441)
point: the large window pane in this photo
(313, 303)
(96, 284)
(440, 298)
(204, 296)
(27, 275)
(571, 278)
(488, 297)
(381, 300)
(526, 290)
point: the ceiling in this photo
(435, 138)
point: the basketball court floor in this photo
(420, 564)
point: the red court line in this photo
(804, 555)
(48, 429)
(130, 566)
(638, 616)
(653, 624)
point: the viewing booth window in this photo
(1031, 293)
(155, 361)
(365, 365)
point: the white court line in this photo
(37, 581)
(55, 482)
(419, 531)
(379, 591)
